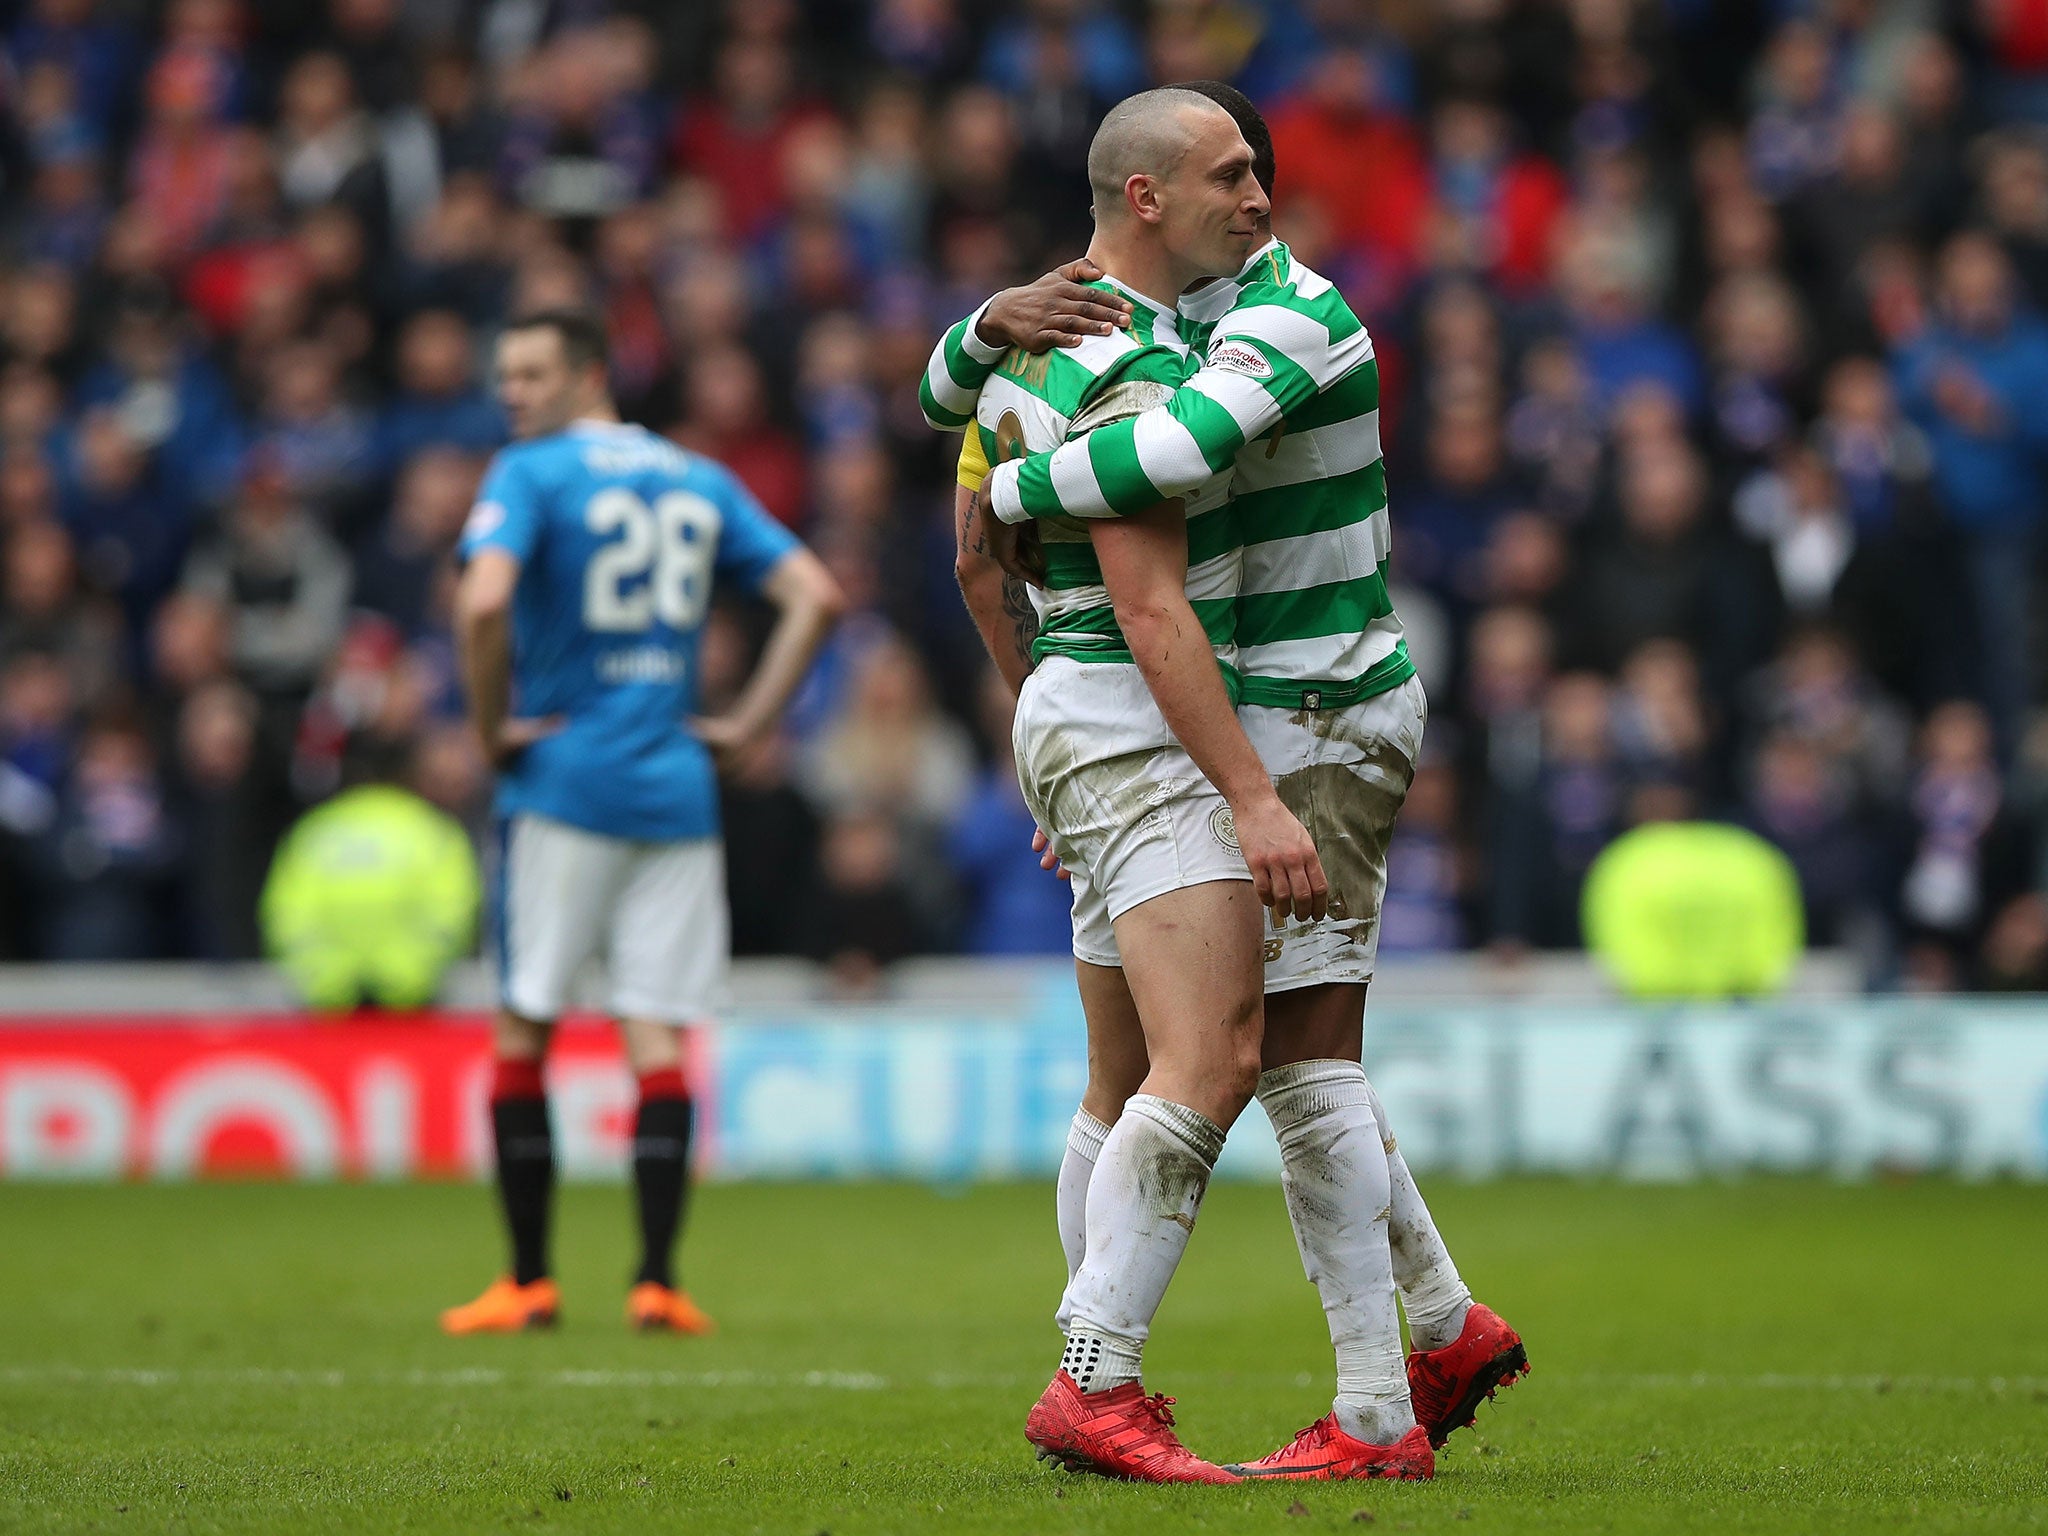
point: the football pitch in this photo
(1762, 1356)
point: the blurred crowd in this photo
(1716, 412)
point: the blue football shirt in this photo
(620, 536)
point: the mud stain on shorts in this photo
(1349, 809)
(1082, 803)
(1343, 725)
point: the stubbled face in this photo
(1213, 213)
(540, 392)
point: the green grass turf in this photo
(1750, 1357)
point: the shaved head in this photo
(1143, 135)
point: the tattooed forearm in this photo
(1022, 616)
(1001, 608)
(968, 535)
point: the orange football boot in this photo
(1447, 1385)
(1324, 1453)
(656, 1308)
(1120, 1433)
(506, 1306)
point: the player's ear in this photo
(1141, 196)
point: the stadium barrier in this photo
(977, 1078)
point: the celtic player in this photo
(1288, 401)
(1131, 756)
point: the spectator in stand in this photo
(1545, 838)
(367, 36)
(456, 256)
(1870, 196)
(891, 751)
(37, 706)
(104, 872)
(1796, 511)
(1757, 352)
(1337, 119)
(182, 165)
(446, 129)
(976, 212)
(1665, 573)
(1965, 854)
(1795, 141)
(130, 536)
(1492, 210)
(1605, 281)
(1428, 873)
(31, 412)
(889, 180)
(324, 447)
(98, 52)
(1660, 725)
(1527, 561)
(40, 326)
(1099, 43)
(327, 143)
(727, 418)
(1972, 382)
(226, 852)
(735, 137)
(1055, 85)
(922, 38)
(1796, 799)
(169, 397)
(583, 138)
(1447, 519)
(1012, 907)
(1817, 691)
(1901, 598)
(2015, 198)
(43, 609)
(1553, 433)
(866, 915)
(282, 579)
(449, 771)
(398, 566)
(66, 214)
(439, 403)
(629, 271)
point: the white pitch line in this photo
(868, 1381)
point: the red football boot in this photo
(1118, 1433)
(1323, 1453)
(1447, 1385)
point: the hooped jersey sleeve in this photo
(1270, 355)
(960, 364)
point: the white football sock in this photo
(1334, 1171)
(1070, 1196)
(1434, 1297)
(1142, 1202)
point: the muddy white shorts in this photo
(1344, 773)
(1127, 810)
(657, 910)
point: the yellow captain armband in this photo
(973, 461)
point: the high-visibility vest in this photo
(1694, 909)
(370, 898)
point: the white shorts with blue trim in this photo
(657, 909)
